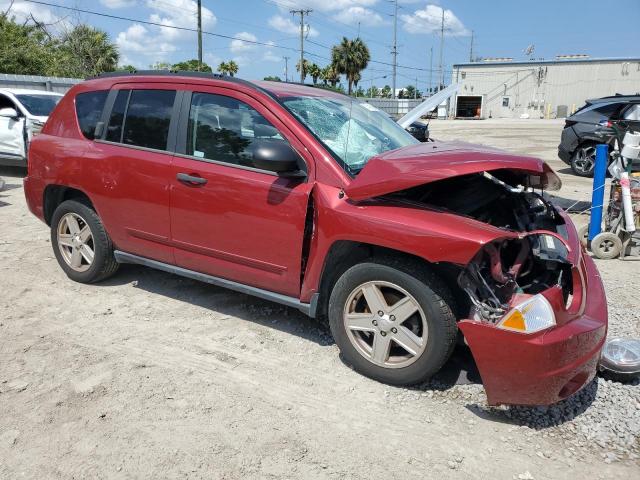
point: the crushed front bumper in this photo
(546, 367)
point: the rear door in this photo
(134, 167)
(240, 223)
(12, 131)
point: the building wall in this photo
(35, 82)
(544, 89)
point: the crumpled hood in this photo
(423, 163)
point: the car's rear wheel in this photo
(392, 321)
(583, 160)
(81, 243)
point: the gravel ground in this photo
(152, 375)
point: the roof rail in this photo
(177, 73)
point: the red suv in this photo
(315, 200)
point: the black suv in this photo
(579, 138)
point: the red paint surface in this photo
(248, 226)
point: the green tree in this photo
(350, 57)
(272, 78)
(228, 68)
(306, 66)
(386, 92)
(192, 65)
(330, 76)
(127, 68)
(373, 91)
(315, 71)
(24, 49)
(360, 92)
(84, 51)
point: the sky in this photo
(500, 28)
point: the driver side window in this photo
(225, 129)
(6, 102)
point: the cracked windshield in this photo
(354, 132)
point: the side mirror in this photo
(8, 112)
(277, 156)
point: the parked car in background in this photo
(419, 130)
(22, 115)
(304, 197)
(579, 138)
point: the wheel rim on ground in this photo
(75, 242)
(585, 158)
(385, 324)
(606, 245)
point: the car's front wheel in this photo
(584, 160)
(393, 321)
(81, 243)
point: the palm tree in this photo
(87, 51)
(330, 75)
(305, 68)
(228, 68)
(315, 71)
(350, 57)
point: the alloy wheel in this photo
(75, 242)
(385, 324)
(585, 159)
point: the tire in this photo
(583, 160)
(606, 245)
(67, 244)
(401, 283)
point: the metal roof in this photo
(547, 62)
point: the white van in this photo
(22, 115)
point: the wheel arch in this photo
(344, 254)
(55, 194)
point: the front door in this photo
(239, 222)
(12, 132)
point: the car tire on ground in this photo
(393, 321)
(81, 243)
(583, 160)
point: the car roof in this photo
(286, 89)
(615, 99)
(26, 91)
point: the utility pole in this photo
(415, 92)
(471, 48)
(286, 69)
(199, 35)
(302, 13)
(394, 51)
(431, 71)
(441, 79)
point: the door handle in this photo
(191, 179)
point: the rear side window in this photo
(141, 118)
(89, 107)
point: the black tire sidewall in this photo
(100, 242)
(440, 322)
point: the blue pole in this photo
(597, 197)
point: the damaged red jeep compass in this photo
(315, 200)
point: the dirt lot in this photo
(152, 376)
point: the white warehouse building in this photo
(503, 88)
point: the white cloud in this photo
(288, 26)
(22, 12)
(136, 39)
(239, 46)
(118, 3)
(355, 15)
(429, 20)
(141, 45)
(270, 55)
(324, 5)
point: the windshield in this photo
(353, 131)
(39, 105)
